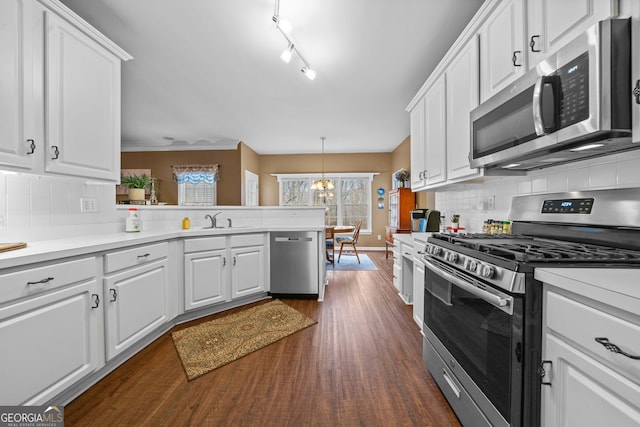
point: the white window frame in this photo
(336, 177)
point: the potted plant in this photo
(136, 185)
(455, 221)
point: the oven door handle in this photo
(493, 299)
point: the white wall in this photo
(470, 200)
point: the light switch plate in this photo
(88, 205)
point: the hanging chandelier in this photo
(323, 186)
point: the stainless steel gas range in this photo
(483, 307)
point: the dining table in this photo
(331, 232)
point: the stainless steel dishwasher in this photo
(294, 263)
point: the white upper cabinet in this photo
(551, 24)
(462, 97)
(436, 131)
(62, 97)
(503, 56)
(418, 153)
(16, 90)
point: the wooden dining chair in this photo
(350, 240)
(329, 244)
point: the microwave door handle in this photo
(503, 303)
(542, 83)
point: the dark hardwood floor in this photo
(361, 365)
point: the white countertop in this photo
(620, 286)
(46, 250)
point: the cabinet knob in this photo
(514, 58)
(32, 146)
(532, 43)
(96, 301)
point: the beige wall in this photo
(160, 162)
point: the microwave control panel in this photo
(574, 91)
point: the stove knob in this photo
(435, 250)
(451, 257)
(470, 265)
(487, 271)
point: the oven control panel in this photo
(490, 273)
(570, 206)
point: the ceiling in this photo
(207, 73)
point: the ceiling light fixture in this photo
(323, 186)
(284, 27)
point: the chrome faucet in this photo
(213, 219)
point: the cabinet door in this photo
(247, 271)
(16, 96)
(135, 302)
(584, 392)
(205, 278)
(82, 103)
(503, 55)
(418, 149)
(418, 292)
(393, 209)
(462, 97)
(435, 132)
(49, 343)
(551, 23)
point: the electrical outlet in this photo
(379, 237)
(88, 205)
(491, 203)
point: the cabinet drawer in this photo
(582, 324)
(131, 257)
(247, 240)
(205, 244)
(36, 280)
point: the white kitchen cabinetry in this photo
(223, 268)
(205, 271)
(436, 132)
(59, 68)
(135, 293)
(462, 97)
(589, 384)
(418, 147)
(418, 280)
(51, 330)
(16, 91)
(403, 266)
(503, 57)
(519, 34)
(248, 273)
(551, 24)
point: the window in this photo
(202, 193)
(196, 184)
(351, 199)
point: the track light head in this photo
(286, 54)
(311, 74)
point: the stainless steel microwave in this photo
(575, 104)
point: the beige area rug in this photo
(205, 347)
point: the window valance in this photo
(195, 174)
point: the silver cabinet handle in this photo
(96, 301)
(32, 146)
(56, 152)
(114, 295)
(449, 381)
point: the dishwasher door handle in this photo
(293, 239)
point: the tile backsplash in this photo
(473, 202)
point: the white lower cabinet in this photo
(51, 333)
(135, 296)
(418, 291)
(586, 384)
(223, 268)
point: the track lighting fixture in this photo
(284, 27)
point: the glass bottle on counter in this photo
(506, 227)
